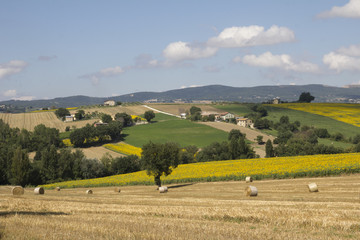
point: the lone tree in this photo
(306, 97)
(148, 115)
(160, 159)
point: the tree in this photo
(269, 149)
(106, 118)
(160, 159)
(260, 109)
(124, 118)
(211, 118)
(259, 139)
(148, 115)
(305, 97)
(262, 123)
(235, 133)
(196, 116)
(78, 137)
(356, 139)
(194, 110)
(62, 112)
(49, 163)
(92, 168)
(20, 167)
(80, 114)
(123, 165)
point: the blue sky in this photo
(107, 48)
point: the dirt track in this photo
(251, 134)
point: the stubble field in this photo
(284, 209)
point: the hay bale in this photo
(313, 187)
(57, 189)
(163, 189)
(251, 191)
(17, 190)
(39, 190)
(248, 179)
(117, 190)
(89, 191)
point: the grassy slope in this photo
(333, 126)
(305, 118)
(166, 128)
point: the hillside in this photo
(210, 93)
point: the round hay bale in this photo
(117, 190)
(313, 187)
(57, 189)
(251, 191)
(17, 190)
(89, 191)
(248, 179)
(163, 189)
(39, 190)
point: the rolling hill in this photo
(211, 93)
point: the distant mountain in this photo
(210, 93)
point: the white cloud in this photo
(343, 59)
(103, 73)
(179, 51)
(283, 61)
(237, 59)
(353, 50)
(10, 93)
(251, 36)
(146, 61)
(349, 10)
(341, 62)
(12, 67)
(108, 72)
(25, 98)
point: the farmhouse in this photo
(276, 100)
(226, 116)
(69, 118)
(244, 122)
(109, 103)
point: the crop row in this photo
(282, 167)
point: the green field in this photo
(166, 128)
(309, 119)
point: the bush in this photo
(322, 132)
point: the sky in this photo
(108, 48)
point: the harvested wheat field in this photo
(283, 209)
(29, 121)
(131, 110)
(99, 152)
